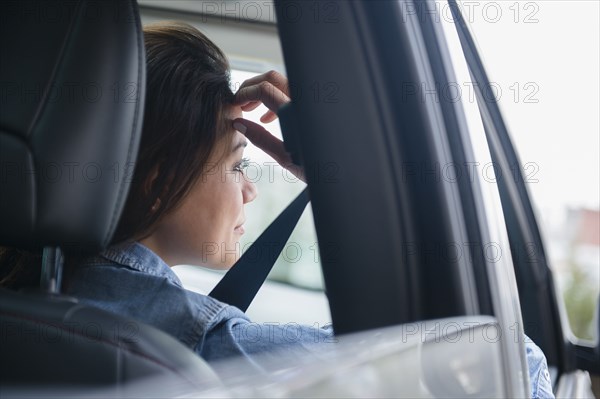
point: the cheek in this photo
(221, 203)
(232, 198)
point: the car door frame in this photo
(354, 58)
(544, 318)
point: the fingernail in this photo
(239, 127)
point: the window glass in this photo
(299, 262)
(542, 58)
(300, 298)
(295, 292)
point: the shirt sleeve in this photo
(539, 377)
(235, 335)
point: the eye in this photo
(241, 165)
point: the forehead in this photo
(233, 111)
(238, 141)
(228, 146)
(234, 138)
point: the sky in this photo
(548, 52)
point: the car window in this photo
(296, 275)
(299, 262)
(546, 82)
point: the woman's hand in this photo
(272, 90)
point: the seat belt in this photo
(241, 283)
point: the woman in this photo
(186, 200)
(188, 195)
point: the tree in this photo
(580, 299)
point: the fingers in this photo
(273, 77)
(270, 88)
(268, 117)
(264, 92)
(264, 140)
(270, 144)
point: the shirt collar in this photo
(139, 257)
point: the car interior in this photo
(80, 345)
(62, 127)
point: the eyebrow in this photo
(240, 144)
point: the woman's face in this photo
(206, 228)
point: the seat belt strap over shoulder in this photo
(241, 283)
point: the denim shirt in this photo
(539, 377)
(132, 281)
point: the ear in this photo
(150, 179)
(149, 184)
(156, 205)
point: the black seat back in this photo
(72, 79)
(56, 342)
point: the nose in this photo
(249, 191)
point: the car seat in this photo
(72, 77)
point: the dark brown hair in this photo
(187, 92)
(187, 95)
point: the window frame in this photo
(544, 318)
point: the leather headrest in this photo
(72, 80)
